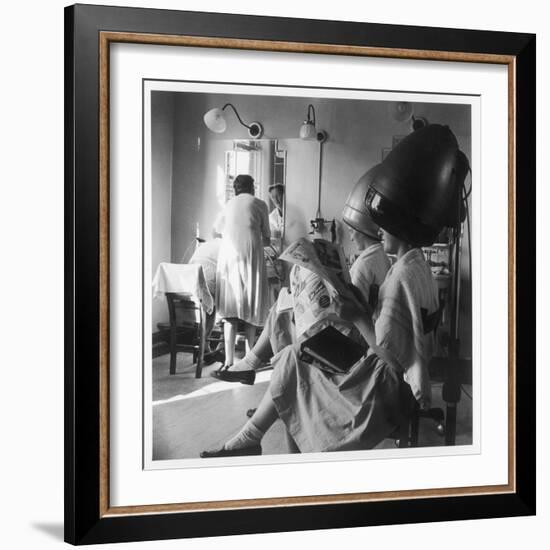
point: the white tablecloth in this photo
(182, 279)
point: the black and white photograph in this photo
(300, 277)
(308, 274)
(275, 275)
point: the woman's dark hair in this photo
(243, 183)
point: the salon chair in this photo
(453, 372)
(186, 330)
(188, 299)
(406, 434)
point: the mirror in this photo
(286, 172)
(266, 163)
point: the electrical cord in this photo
(465, 198)
(469, 190)
(184, 258)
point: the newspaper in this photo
(324, 258)
(317, 280)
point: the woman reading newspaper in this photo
(308, 305)
(358, 409)
(354, 408)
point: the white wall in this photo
(357, 130)
(162, 138)
(31, 225)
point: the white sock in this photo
(249, 436)
(248, 362)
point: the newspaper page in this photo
(324, 258)
(317, 280)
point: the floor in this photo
(190, 414)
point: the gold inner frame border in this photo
(105, 40)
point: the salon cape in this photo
(406, 299)
(370, 268)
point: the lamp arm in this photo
(236, 114)
(320, 179)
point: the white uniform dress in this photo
(369, 271)
(358, 410)
(276, 223)
(241, 283)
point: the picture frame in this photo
(89, 517)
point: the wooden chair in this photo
(186, 330)
(406, 434)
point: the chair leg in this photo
(202, 343)
(403, 435)
(198, 368)
(173, 352)
(450, 424)
(173, 336)
(415, 420)
(172, 361)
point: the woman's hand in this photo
(425, 403)
(353, 306)
(354, 309)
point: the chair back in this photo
(183, 310)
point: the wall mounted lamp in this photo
(216, 120)
(403, 111)
(308, 130)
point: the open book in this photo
(318, 280)
(331, 351)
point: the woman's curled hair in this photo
(243, 183)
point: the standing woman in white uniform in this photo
(242, 292)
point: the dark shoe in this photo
(242, 376)
(223, 368)
(213, 356)
(250, 413)
(245, 451)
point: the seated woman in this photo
(421, 180)
(206, 255)
(357, 410)
(367, 275)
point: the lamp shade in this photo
(307, 130)
(400, 111)
(215, 120)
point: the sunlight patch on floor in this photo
(216, 387)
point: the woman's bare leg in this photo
(262, 347)
(229, 336)
(250, 334)
(260, 353)
(253, 431)
(266, 413)
(276, 334)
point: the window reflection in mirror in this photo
(266, 163)
(262, 160)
